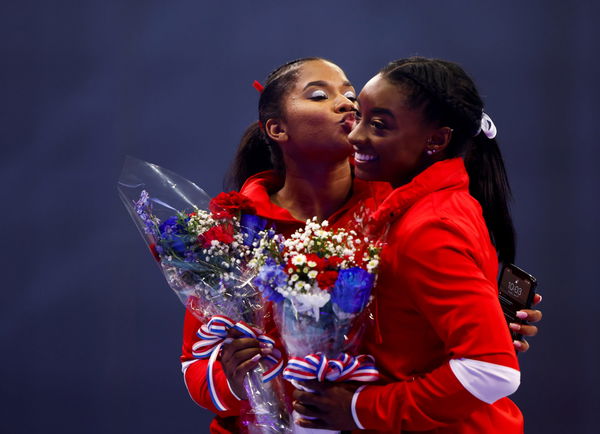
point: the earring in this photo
(430, 151)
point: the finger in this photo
(537, 298)
(231, 346)
(235, 333)
(247, 366)
(522, 329)
(530, 315)
(521, 346)
(244, 355)
(528, 330)
(307, 410)
(312, 385)
(308, 398)
(231, 355)
(311, 423)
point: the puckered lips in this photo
(348, 121)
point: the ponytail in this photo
(254, 154)
(488, 184)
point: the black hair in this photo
(256, 151)
(447, 95)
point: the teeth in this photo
(364, 157)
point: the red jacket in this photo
(258, 188)
(440, 336)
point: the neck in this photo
(314, 189)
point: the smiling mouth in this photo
(363, 158)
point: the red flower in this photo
(221, 233)
(154, 252)
(333, 263)
(227, 205)
(321, 263)
(326, 279)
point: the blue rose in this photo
(352, 289)
(173, 236)
(251, 225)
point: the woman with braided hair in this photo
(294, 164)
(439, 337)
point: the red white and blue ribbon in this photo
(344, 368)
(212, 334)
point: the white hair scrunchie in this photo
(487, 126)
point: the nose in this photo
(345, 105)
(357, 136)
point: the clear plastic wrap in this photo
(203, 247)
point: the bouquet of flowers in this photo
(320, 282)
(203, 247)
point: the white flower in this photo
(294, 277)
(299, 259)
(313, 274)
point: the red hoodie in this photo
(440, 335)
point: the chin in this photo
(365, 175)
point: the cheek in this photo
(300, 115)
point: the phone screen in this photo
(515, 287)
(516, 291)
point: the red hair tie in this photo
(261, 126)
(259, 87)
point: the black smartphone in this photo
(516, 290)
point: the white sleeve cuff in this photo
(354, 399)
(486, 381)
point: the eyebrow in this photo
(382, 111)
(321, 83)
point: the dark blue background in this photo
(90, 332)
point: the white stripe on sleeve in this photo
(186, 365)
(486, 381)
(354, 399)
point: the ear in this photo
(439, 139)
(276, 130)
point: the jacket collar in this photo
(443, 175)
(261, 186)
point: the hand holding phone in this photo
(516, 291)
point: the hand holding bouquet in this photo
(203, 247)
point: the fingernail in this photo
(539, 298)
(228, 341)
(255, 358)
(521, 314)
(265, 345)
(266, 351)
(518, 344)
(514, 326)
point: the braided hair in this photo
(448, 96)
(256, 151)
